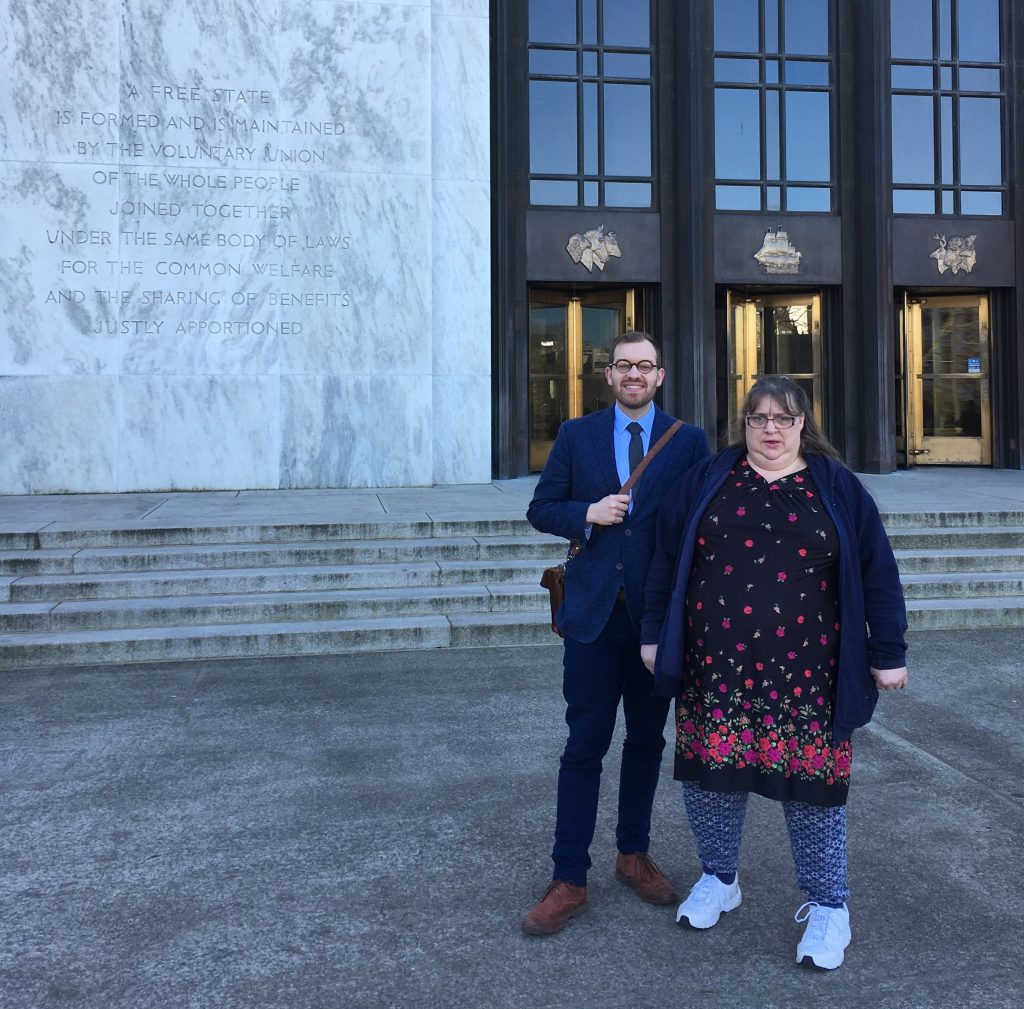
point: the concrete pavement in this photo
(364, 831)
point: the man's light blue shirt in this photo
(622, 437)
(620, 440)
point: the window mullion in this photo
(763, 113)
(954, 118)
(783, 157)
(763, 100)
(600, 104)
(581, 111)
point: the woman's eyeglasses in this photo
(780, 420)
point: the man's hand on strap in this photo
(609, 510)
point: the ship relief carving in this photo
(777, 254)
(594, 248)
(955, 253)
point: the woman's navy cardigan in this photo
(872, 614)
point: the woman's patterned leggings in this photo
(817, 836)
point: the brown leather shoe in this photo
(640, 872)
(561, 901)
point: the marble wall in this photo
(244, 243)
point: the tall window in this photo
(773, 90)
(947, 107)
(591, 86)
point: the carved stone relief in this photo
(777, 254)
(593, 248)
(955, 253)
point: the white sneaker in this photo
(826, 936)
(708, 899)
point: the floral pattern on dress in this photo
(755, 711)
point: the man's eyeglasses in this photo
(625, 367)
(781, 420)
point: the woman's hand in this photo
(890, 679)
(648, 653)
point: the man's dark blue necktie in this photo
(636, 445)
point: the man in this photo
(577, 497)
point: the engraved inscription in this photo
(205, 246)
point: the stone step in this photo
(150, 584)
(160, 644)
(57, 536)
(971, 538)
(952, 519)
(545, 548)
(154, 593)
(15, 537)
(37, 562)
(460, 630)
(470, 629)
(963, 586)
(33, 617)
(951, 561)
(277, 546)
(140, 534)
(271, 607)
(502, 630)
(166, 644)
(262, 555)
(109, 613)
(328, 637)
(967, 614)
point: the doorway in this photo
(774, 334)
(570, 332)
(944, 381)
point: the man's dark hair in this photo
(634, 336)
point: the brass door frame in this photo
(574, 338)
(746, 351)
(574, 331)
(936, 450)
(575, 303)
(902, 382)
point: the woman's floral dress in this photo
(762, 633)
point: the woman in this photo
(773, 615)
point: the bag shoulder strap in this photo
(642, 465)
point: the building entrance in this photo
(774, 334)
(944, 381)
(570, 332)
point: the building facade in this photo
(244, 245)
(386, 242)
(830, 189)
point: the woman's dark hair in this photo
(789, 395)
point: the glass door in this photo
(570, 333)
(776, 334)
(948, 420)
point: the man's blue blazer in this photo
(581, 470)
